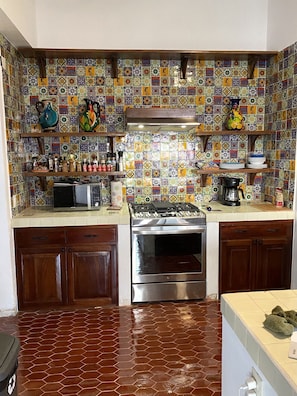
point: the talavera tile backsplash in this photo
(158, 166)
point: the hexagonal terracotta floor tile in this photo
(144, 350)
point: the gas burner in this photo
(141, 208)
(166, 211)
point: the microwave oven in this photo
(76, 196)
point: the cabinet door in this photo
(273, 268)
(92, 275)
(236, 260)
(41, 277)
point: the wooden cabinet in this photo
(66, 266)
(91, 265)
(255, 255)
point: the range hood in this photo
(160, 119)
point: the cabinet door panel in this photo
(41, 277)
(92, 275)
(235, 265)
(273, 270)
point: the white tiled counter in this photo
(247, 211)
(247, 344)
(47, 217)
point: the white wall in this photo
(8, 297)
(138, 24)
(155, 24)
(17, 21)
(237, 366)
(282, 26)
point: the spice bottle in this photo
(56, 164)
(78, 166)
(64, 165)
(121, 162)
(85, 165)
(279, 197)
(50, 163)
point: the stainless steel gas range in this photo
(168, 252)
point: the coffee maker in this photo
(229, 191)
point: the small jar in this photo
(279, 197)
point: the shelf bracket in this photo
(183, 67)
(40, 142)
(252, 141)
(204, 141)
(42, 67)
(251, 178)
(114, 67)
(43, 183)
(252, 60)
(203, 180)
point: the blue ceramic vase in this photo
(48, 117)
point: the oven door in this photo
(168, 254)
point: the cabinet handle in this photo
(69, 250)
(240, 231)
(39, 238)
(272, 229)
(63, 250)
(90, 235)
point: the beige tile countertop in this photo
(247, 211)
(245, 313)
(46, 217)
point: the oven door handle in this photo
(184, 230)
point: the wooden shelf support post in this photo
(42, 67)
(252, 61)
(114, 67)
(183, 67)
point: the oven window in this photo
(159, 254)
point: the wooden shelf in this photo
(28, 52)
(40, 135)
(252, 136)
(113, 55)
(69, 134)
(251, 173)
(73, 174)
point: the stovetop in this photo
(181, 213)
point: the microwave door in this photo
(81, 196)
(64, 196)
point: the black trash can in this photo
(9, 350)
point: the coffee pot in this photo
(229, 191)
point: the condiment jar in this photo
(279, 197)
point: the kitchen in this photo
(188, 149)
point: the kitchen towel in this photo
(116, 193)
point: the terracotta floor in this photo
(146, 349)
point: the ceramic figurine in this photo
(235, 119)
(91, 116)
(48, 117)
